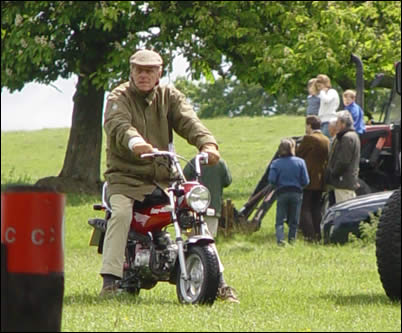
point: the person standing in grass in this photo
(289, 175)
(314, 149)
(342, 173)
(215, 178)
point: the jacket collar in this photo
(316, 131)
(342, 133)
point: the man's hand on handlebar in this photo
(213, 153)
(142, 148)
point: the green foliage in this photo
(368, 230)
(42, 40)
(276, 44)
(280, 44)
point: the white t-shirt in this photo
(329, 103)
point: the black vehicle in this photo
(344, 218)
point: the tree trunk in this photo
(81, 169)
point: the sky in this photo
(39, 106)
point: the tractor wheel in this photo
(388, 246)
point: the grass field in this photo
(297, 288)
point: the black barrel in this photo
(32, 263)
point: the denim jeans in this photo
(324, 129)
(288, 205)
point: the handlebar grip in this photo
(203, 158)
(155, 152)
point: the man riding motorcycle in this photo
(139, 117)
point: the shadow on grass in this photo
(123, 298)
(359, 299)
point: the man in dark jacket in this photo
(215, 178)
(343, 164)
(314, 149)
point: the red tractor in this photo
(380, 160)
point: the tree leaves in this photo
(276, 44)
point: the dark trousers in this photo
(310, 216)
(287, 208)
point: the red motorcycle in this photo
(151, 254)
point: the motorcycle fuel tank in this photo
(151, 218)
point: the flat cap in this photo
(146, 58)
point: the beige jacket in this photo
(132, 113)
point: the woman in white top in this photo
(329, 102)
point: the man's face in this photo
(332, 130)
(146, 77)
(309, 130)
(340, 126)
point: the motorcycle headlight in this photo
(198, 198)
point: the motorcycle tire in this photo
(203, 269)
(388, 246)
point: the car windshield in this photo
(394, 110)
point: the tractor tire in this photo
(388, 246)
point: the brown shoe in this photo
(227, 293)
(110, 290)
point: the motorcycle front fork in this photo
(179, 241)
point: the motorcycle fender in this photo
(95, 237)
(199, 239)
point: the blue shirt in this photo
(357, 115)
(288, 173)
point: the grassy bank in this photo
(303, 287)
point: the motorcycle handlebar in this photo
(157, 152)
(201, 158)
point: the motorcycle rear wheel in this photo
(203, 271)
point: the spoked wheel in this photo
(203, 272)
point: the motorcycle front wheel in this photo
(203, 272)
